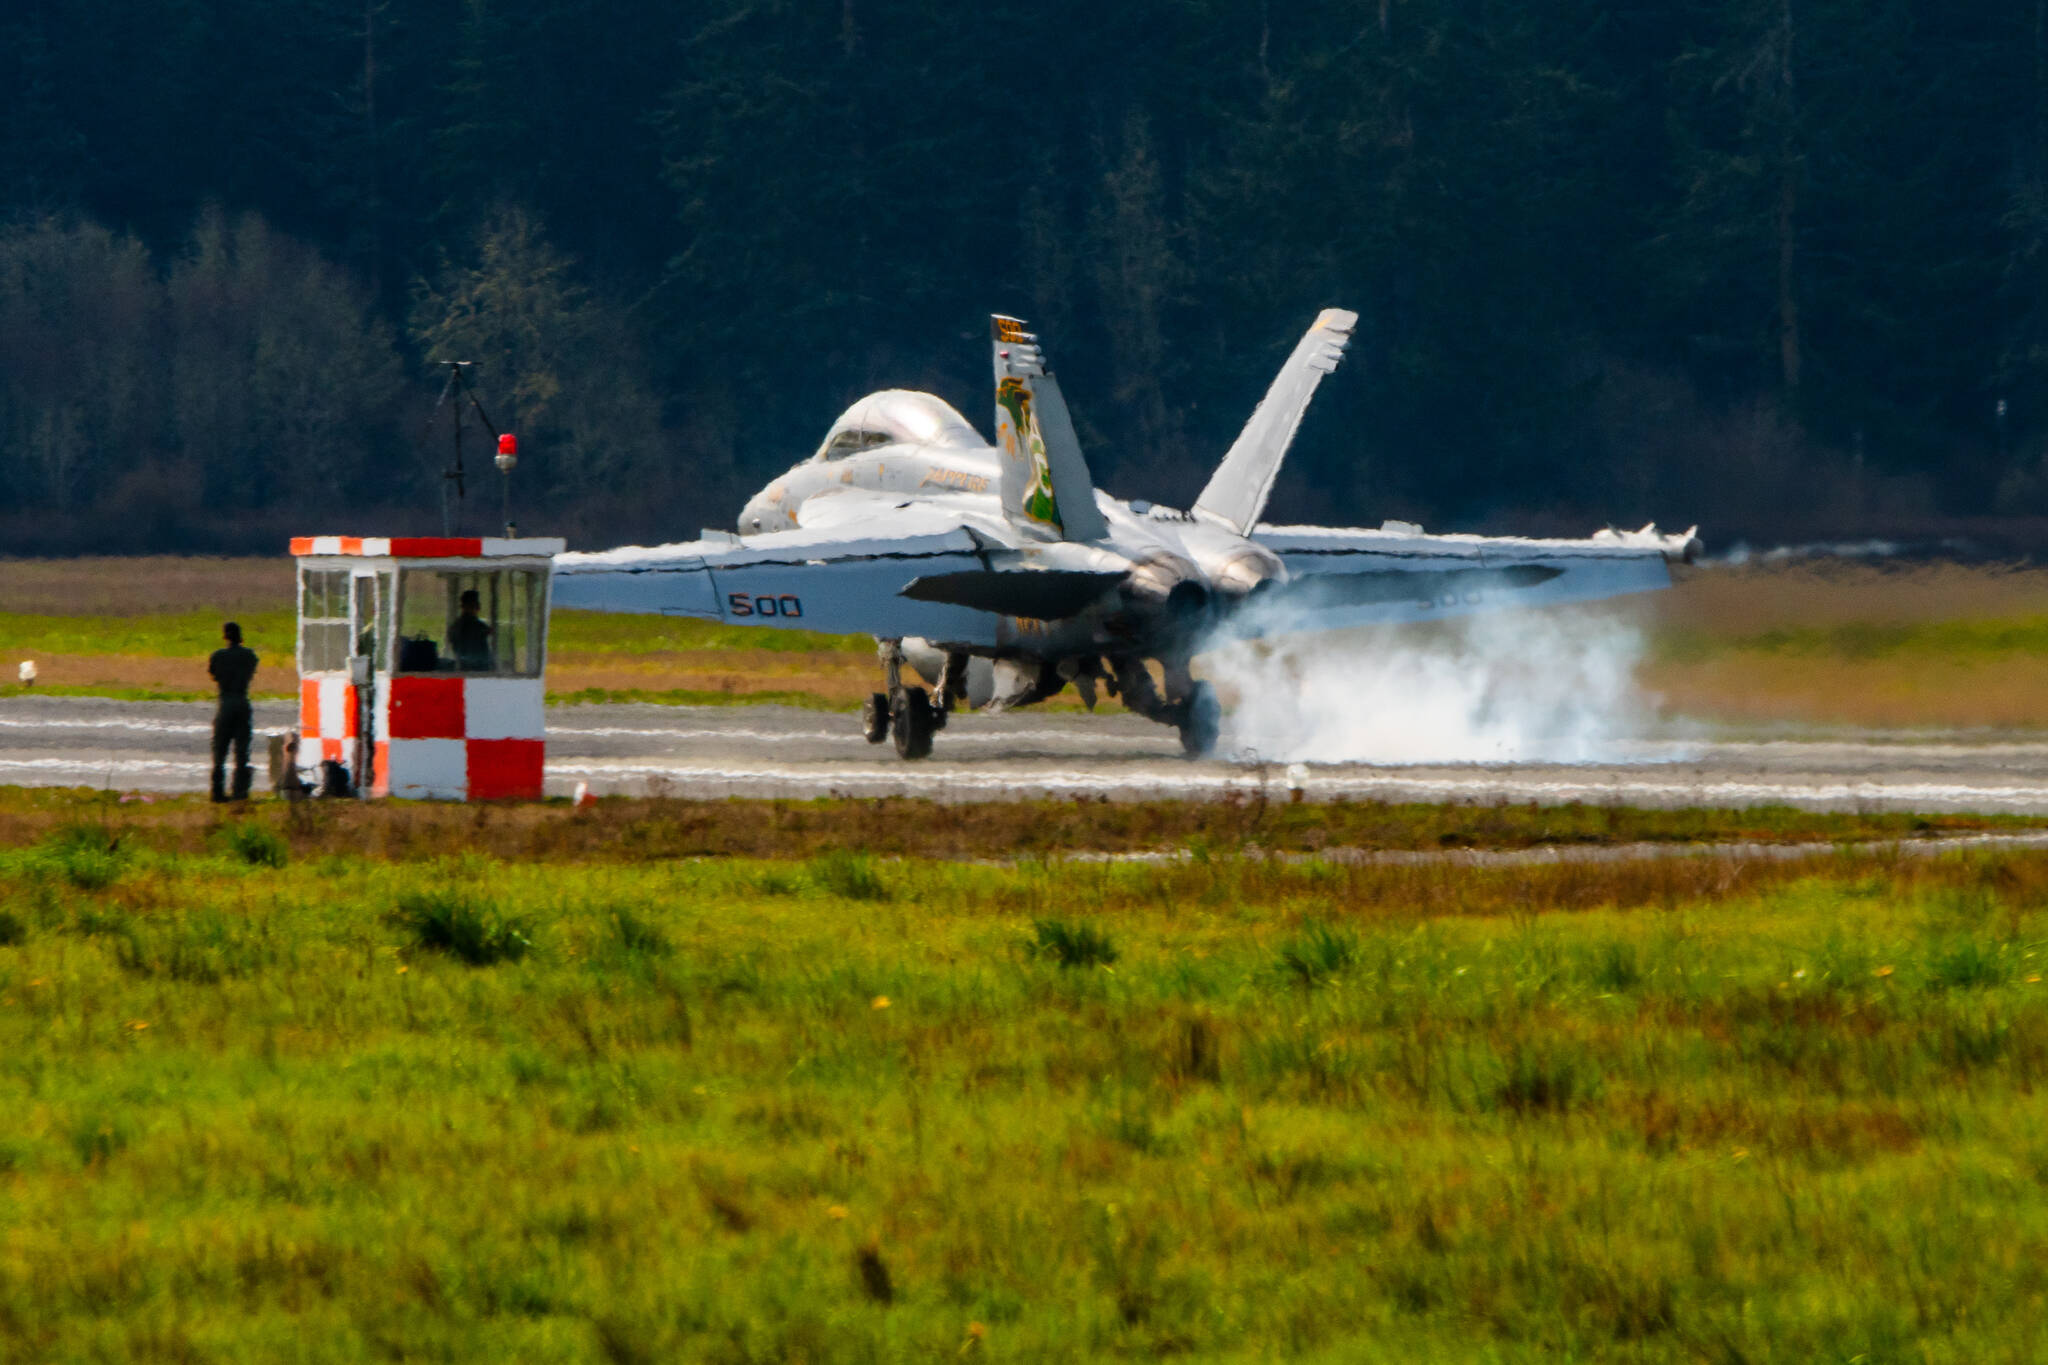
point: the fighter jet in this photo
(1000, 575)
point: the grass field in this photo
(1854, 644)
(1834, 643)
(593, 657)
(575, 1097)
(143, 628)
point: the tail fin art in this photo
(1047, 490)
(1237, 491)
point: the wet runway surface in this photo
(776, 751)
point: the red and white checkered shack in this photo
(421, 662)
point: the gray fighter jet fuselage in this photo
(1172, 567)
(1001, 574)
(1127, 581)
(914, 444)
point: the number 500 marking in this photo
(764, 604)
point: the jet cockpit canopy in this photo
(897, 417)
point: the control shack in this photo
(422, 663)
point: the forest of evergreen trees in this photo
(1778, 266)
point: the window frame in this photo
(853, 441)
(502, 600)
(332, 627)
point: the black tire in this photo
(1201, 721)
(874, 717)
(911, 719)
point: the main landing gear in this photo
(909, 713)
(1196, 712)
(912, 716)
(1201, 721)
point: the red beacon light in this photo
(508, 452)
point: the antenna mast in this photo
(457, 390)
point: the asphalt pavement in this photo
(779, 751)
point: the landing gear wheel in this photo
(1201, 721)
(910, 716)
(874, 717)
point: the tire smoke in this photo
(1553, 686)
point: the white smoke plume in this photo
(1518, 686)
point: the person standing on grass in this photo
(233, 668)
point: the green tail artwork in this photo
(1039, 504)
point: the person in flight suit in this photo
(233, 668)
(469, 636)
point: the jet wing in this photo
(1236, 493)
(824, 580)
(1339, 577)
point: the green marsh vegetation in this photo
(842, 1105)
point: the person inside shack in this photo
(469, 636)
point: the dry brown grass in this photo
(135, 672)
(1852, 643)
(667, 828)
(1227, 869)
(144, 586)
(838, 678)
(1734, 602)
(737, 673)
(1900, 693)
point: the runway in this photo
(778, 751)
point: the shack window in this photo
(471, 621)
(323, 620)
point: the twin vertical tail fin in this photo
(1237, 491)
(1047, 490)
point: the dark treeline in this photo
(1780, 266)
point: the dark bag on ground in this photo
(334, 779)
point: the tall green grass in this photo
(732, 1110)
(1949, 641)
(184, 634)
